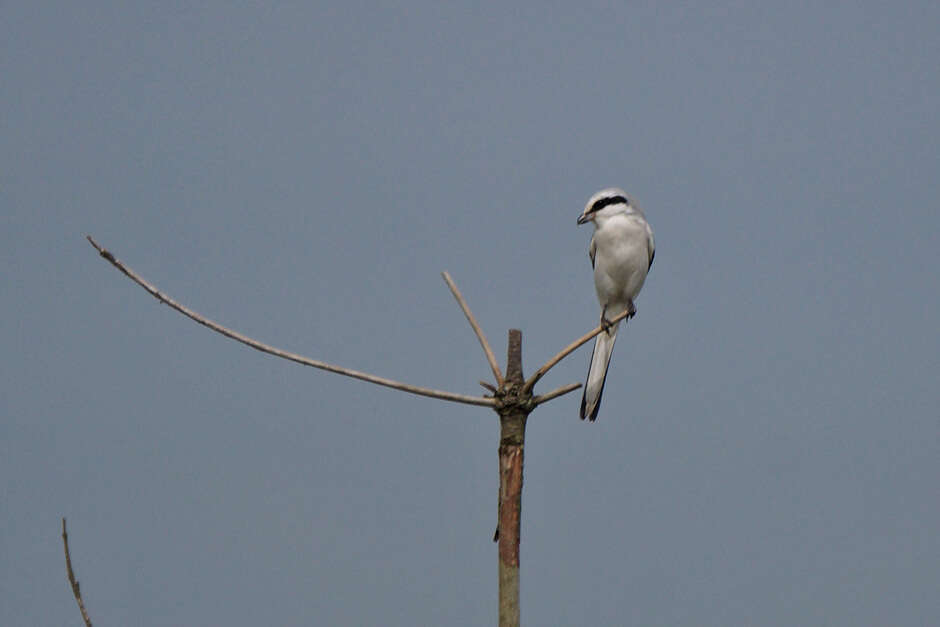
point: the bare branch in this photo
(490, 357)
(488, 386)
(300, 359)
(566, 351)
(571, 387)
(74, 582)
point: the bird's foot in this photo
(605, 323)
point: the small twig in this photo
(566, 351)
(300, 359)
(571, 387)
(74, 582)
(490, 357)
(488, 386)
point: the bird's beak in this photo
(584, 218)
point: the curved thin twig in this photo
(72, 581)
(490, 357)
(300, 359)
(571, 387)
(566, 351)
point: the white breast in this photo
(621, 261)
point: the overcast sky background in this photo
(768, 450)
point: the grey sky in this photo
(769, 445)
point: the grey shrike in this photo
(622, 251)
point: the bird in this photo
(622, 251)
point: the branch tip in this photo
(76, 589)
(490, 357)
(102, 251)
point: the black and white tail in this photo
(597, 373)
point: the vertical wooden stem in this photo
(512, 420)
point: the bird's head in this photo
(603, 203)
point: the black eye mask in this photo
(609, 200)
